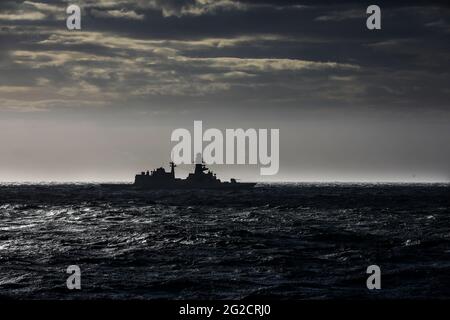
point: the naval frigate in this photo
(201, 178)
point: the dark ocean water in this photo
(299, 241)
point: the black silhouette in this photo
(202, 178)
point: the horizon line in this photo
(258, 182)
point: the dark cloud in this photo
(156, 48)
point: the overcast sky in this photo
(100, 104)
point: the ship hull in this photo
(186, 186)
(222, 186)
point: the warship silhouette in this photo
(202, 178)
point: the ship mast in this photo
(172, 169)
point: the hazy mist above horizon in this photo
(100, 104)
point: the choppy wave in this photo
(300, 241)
